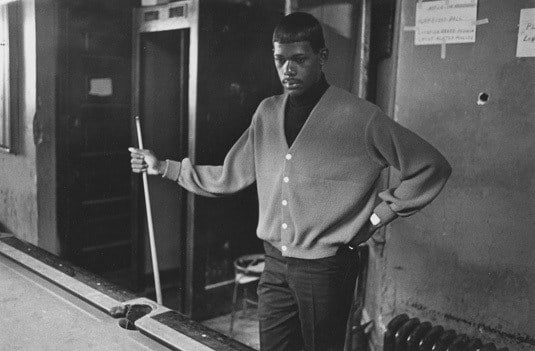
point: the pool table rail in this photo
(162, 324)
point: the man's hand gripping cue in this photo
(143, 160)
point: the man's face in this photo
(298, 66)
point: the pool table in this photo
(47, 304)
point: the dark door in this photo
(94, 190)
(235, 73)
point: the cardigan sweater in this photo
(317, 194)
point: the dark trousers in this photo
(304, 304)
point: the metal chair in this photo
(247, 269)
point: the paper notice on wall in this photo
(445, 22)
(100, 87)
(525, 46)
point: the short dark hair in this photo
(300, 26)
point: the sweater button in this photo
(286, 179)
(284, 248)
(284, 225)
(289, 156)
(284, 202)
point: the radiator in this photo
(409, 334)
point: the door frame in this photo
(156, 19)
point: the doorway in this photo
(163, 109)
(199, 75)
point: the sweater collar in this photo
(317, 116)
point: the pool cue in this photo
(149, 222)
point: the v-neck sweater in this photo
(319, 193)
(299, 107)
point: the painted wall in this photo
(467, 261)
(18, 179)
(27, 176)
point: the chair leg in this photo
(245, 297)
(233, 313)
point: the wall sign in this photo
(445, 22)
(525, 46)
(100, 87)
(451, 22)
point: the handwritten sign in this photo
(525, 46)
(446, 22)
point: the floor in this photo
(245, 327)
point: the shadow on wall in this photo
(337, 19)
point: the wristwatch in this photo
(375, 219)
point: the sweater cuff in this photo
(172, 170)
(385, 213)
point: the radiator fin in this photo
(409, 334)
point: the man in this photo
(316, 153)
